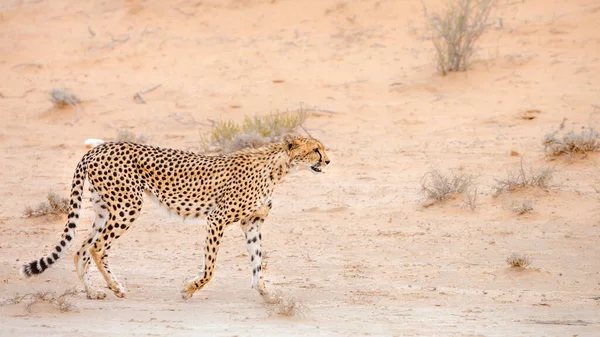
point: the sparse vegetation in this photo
(524, 178)
(61, 301)
(516, 260)
(455, 31)
(286, 306)
(571, 142)
(439, 187)
(228, 136)
(471, 197)
(62, 98)
(55, 205)
(522, 207)
(128, 136)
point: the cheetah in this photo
(223, 189)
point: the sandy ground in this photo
(355, 247)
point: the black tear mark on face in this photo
(319, 153)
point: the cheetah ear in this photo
(289, 141)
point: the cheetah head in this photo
(307, 151)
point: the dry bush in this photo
(571, 142)
(456, 30)
(524, 178)
(439, 187)
(285, 306)
(128, 136)
(471, 197)
(228, 136)
(61, 301)
(55, 205)
(62, 98)
(522, 207)
(516, 260)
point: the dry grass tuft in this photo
(439, 187)
(524, 178)
(54, 206)
(286, 306)
(471, 197)
(522, 207)
(571, 142)
(456, 30)
(228, 136)
(62, 98)
(516, 260)
(61, 302)
(128, 136)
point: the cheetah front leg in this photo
(251, 227)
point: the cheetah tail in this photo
(38, 266)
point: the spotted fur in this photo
(224, 189)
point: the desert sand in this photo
(354, 247)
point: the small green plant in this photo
(225, 131)
(455, 31)
(522, 177)
(228, 136)
(516, 260)
(55, 205)
(585, 141)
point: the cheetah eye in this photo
(317, 150)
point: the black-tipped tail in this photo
(38, 266)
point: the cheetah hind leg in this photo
(119, 221)
(213, 238)
(98, 253)
(82, 258)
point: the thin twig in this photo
(314, 110)
(184, 13)
(139, 97)
(308, 133)
(111, 45)
(28, 64)
(17, 96)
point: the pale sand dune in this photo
(354, 246)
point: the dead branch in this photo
(184, 13)
(27, 64)
(111, 45)
(139, 97)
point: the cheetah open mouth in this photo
(316, 168)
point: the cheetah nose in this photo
(327, 161)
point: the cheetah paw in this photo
(119, 291)
(188, 290)
(186, 294)
(96, 294)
